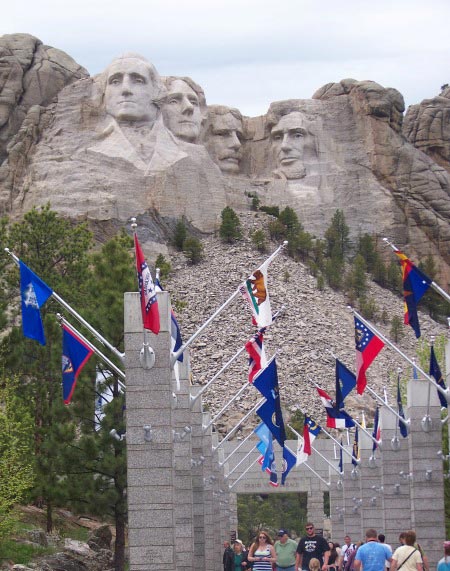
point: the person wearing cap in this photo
(444, 563)
(285, 549)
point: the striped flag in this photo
(147, 291)
(257, 359)
(335, 418)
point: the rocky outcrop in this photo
(30, 74)
(427, 127)
(314, 326)
(98, 153)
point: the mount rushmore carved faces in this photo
(223, 137)
(132, 87)
(288, 141)
(184, 110)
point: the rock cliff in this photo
(128, 142)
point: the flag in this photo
(267, 413)
(149, 303)
(435, 372)
(415, 285)
(75, 355)
(304, 447)
(341, 459)
(289, 461)
(175, 335)
(34, 293)
(272, 471)
(265, 445)
(267, 384)
(376, 433)
(355, 451)
(368, 345)
(255, 293)
(335, 418)
(402, 427)
(257, 355)
(345, 383)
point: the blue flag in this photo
(341, 459)
(34, 293)
(345, 383)
(355, 451)
(376, 433)
(289, 461)
(265, 445)
(267, 414)
(402, 426)
(267, 384)
(435, 372)
(75, 356)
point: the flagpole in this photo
(77, 316)
(227, 364)
(219, 414)
(433, 284)
(243, 419)
(406, 422)
(355, 421)
(315, 450)
(243, 474)
(444, 392)
(99, 354)
(241, 461)
(236, 449)
(223, 306)
(332, 438)
(377, 397)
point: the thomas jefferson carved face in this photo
(224, 142)
(288, 141)
(130, 91)
(181, 112)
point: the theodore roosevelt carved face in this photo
(223, 138)
(288, 140)
(131, 90)
(184, 110)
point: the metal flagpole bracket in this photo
(147, 356)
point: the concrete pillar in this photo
(427, 491)
(183, 493)
(198, 475)
(149, 463)
(396, 490)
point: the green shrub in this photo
(230, 229)
(193, 249)
(272, 210)
(259, 240)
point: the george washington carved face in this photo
(131, 90)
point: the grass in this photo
(21, 553)
(26, 518)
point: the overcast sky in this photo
(248, 53)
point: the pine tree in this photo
(180, 235)
(230, 229)
(357, 280)
(56, 250)
(193, 249)
(336, 236)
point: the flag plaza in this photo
(265, 380)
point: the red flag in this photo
(368, 345)
(257, 356)
(149, 303)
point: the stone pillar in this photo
(149, 463)
(352, 489)
(396, 490)
(183, 496)
(198, 485)
(208, 499)
(370, 479)
(427, 490)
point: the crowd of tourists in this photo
(314, 553)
